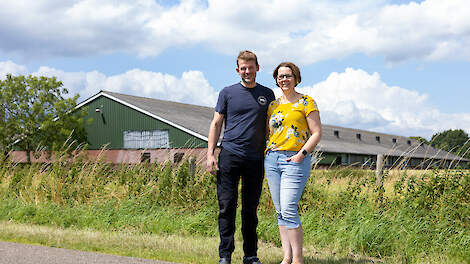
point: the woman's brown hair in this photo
(295, 71)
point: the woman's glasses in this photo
(287, 76)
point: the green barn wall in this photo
(108, 128)
(328, 158)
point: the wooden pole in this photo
(379, 169)
(192, 166)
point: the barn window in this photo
(178, 157)
(146, 139)
(145, 157)
(394, 140)
(336, 132)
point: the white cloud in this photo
(355, 98)
(75, 28)
(192, 87)
(9, 67)
(303, 31)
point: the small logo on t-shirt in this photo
(262, 100)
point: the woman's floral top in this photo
(288, 129)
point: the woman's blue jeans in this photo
(286, 180)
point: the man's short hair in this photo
(247, 55)
(295, 71)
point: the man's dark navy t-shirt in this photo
(244, 111)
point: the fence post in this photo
(192, 166)
(379, 169)
(379, 180)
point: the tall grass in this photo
(415, 217)
(83, 181)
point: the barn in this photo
(138, 129)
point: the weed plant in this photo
(414, 217)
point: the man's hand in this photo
(211, 164)
(214, 133)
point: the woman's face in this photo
(285, 79)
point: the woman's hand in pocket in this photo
(297, 158)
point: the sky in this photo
(393, 66)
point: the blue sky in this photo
(392, 66)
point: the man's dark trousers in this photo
(231, 168)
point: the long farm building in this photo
(136, 129)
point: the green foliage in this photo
(455, 141)
(418, 218)
(425, 215)
(79, 180)
(420, 139)
(35, 115)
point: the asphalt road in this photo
(13, 253)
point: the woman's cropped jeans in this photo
(286, 180)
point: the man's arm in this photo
(214, 134)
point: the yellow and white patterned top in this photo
(288, 129)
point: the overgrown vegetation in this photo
(35, 115)
(455, 141)
(415, 217)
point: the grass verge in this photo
(414, 217)
(174, 248)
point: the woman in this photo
(294, 131)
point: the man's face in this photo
(247, 71)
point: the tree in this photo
(455, 141)
(420, 139)
(35, 115)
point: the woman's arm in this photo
(314, 125)
(266, 137)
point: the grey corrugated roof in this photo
(373, 143)
(193, 117)
(198, 118)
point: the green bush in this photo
(421, 216)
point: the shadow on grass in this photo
(345, 260)
(310, 260)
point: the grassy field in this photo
(166, 212)
(174, 248)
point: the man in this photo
(242, 107)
